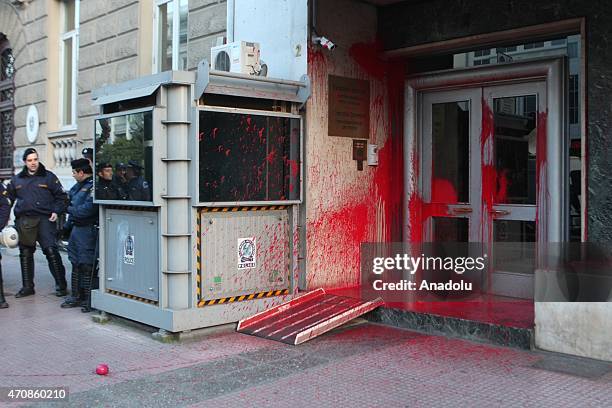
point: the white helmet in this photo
(9, 237)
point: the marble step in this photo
(487, 332)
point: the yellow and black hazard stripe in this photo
(198, 256)
(252, 296)
(138, 298)
(244, 208)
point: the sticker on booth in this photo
(247, 253)
(128, 250)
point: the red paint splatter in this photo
(293, 167)
(367, 55)
(377, 214)
(443, 191)
(339, 235)
(542, 192)
(271, 156)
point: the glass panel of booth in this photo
(123, 156)
(249, 157)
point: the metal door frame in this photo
(553, 208)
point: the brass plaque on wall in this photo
(349, 107)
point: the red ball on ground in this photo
(102, 369)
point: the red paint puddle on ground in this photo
(486, 308)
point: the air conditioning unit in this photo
(240, 57)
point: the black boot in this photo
(87, 285)
(3, 304)
(57, 270)
(26, 258)
(74, 299)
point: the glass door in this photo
(450, 173)
(514, 159)
(482, 157)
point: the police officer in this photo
(82, 222)
(39, 198)
(106, 189)
(5, 212)
(138, 188)
(120, 179)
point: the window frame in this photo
(128, 203)
(74, 35)
(573, 90)
(209, 108)
(176, 30)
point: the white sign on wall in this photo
(281, 29)
(247, 253)
(32, 124)
(128, 250)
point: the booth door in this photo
(479, 175)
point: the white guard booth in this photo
(199, 183)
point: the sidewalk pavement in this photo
(362, 365)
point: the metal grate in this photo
(7, 107)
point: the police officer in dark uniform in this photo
(106, 189)
(120, 179)
(5, 212)
(39, 198)
(138, 187)
(82, 222)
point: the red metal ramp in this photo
(306, 317)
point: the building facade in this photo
(434, 74)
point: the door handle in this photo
(499, 212)
(462, 210)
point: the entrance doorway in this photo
(489, 143)
(479, 170)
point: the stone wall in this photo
(24, 28)
(207, 22)
(108, 52)
(344, 206)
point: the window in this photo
(482, 62)
(7, 106)
(123, 145)
(506, 49)
(560, 41)
(171, 37)
(248, 157)
(69, 48)
(533, 45)
(482, 53)
(573, 99)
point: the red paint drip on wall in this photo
(388, 181)
(343, 232)
(488, 170)
(376, 215)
